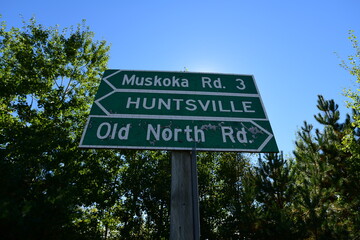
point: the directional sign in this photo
(178, 110)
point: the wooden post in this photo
(183, 226)
(195, 194)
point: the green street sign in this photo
(178, 111)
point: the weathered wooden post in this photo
(181, 215)
(184, 214)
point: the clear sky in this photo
(287, 45)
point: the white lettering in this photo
(199, 132)
(232, 106)
(159, 133)
(124, 132)
(241, 136)
(139, 81)
(184, 83)
(204, 106)
(206, 81)
(190, 105)
(129, 102)
(155, 133)
(155, 81)
(167, 134)
(166, 82)
(127, 81)
(176, 134)
(148, 81)
(241, 84)
(227, 132)
(178, 103)
(183, 104)
(175, 82)
(246, 106)
(167, 104)
(114, 131)
(217, 83)
(188, 132)
(98, 132)
(214, 105)
(221, 109)
(152, 104)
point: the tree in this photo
(353, 67)
(145, 201)
(227, 196)
(324, 181)
(350, 141)
(275, 194)
(47, 80)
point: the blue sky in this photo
(287, 45)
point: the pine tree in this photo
(323, 175)
(275, 193)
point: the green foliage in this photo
(227, 195)
(328, 163)
(352, 66)
(350, 141)
(145, 200)
(48, 80)
(323, 174)
(275, 183)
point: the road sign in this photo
(178, 110)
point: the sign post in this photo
(182, 224)
(195, 194)
(176, 111)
